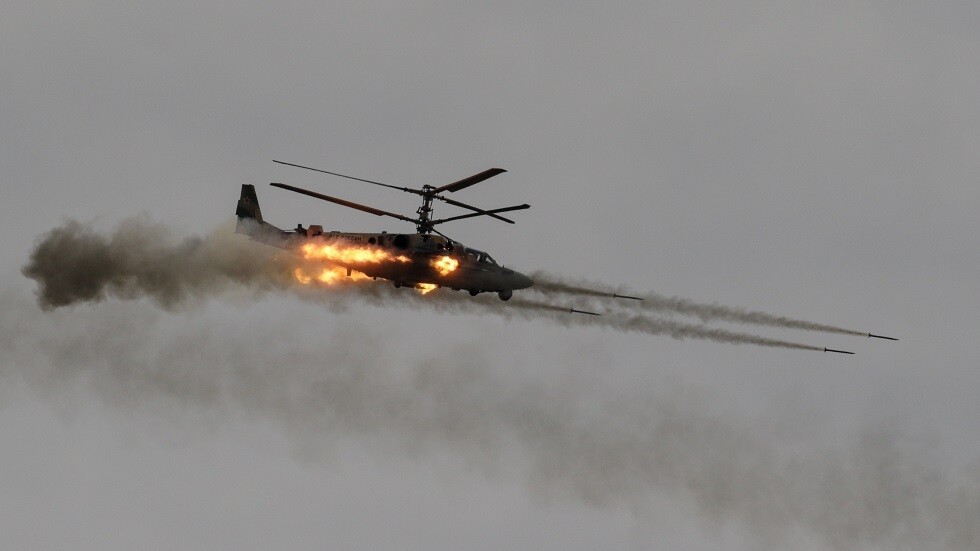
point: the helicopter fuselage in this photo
(404, 259)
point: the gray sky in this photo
(816, 161)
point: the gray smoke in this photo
(552, 285)
(578, 443)
(74, 263)
(636, 323)
(573, 440)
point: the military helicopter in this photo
(419, 260)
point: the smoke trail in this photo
(573, 439)
(73, 263)
(579, 443)
(382, 295)
(653, 326)
(549, 284)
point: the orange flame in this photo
(329, 275)
(301, 276)
(445, 265)
(425, 288)
(349, 254)
(338, 256)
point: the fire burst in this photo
(329, 275)
(339, 256)
(445, 265)
(349, 255)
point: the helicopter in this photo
(421, 260)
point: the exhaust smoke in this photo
(73, 263)
(605, 449)
(555, 286)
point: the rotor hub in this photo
(424, 222)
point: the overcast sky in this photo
(815, 160)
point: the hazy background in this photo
(813, 161)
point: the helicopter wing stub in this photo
(489, 212)
(356, 206)
(467, 182)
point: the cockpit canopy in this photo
(480, 256)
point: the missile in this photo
(838, 351)
(615, 295)
(881, 337)
(574, 311)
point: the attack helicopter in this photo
(421, 260)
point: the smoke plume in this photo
(553, 285)
(74, 263)
(576, 440)
(573, 439)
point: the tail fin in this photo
(251, 224)
(248, 204)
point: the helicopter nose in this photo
(521, 281)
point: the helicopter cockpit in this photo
(480, 257)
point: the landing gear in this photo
(474, 292)
(505, 294)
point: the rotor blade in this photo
(410, 190)
(467, 182)
(377, 212)
(472, 208)
(505, 209)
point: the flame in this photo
(425, 288)
(445, 265)
(329, 275)
(338, 256)
(349, 254)
(301, 276)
